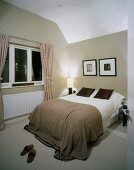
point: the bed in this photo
(70, 123)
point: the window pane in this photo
(36, 66)
(20, 65)
(5, 74)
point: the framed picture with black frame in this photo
(89, 67)
(107, 67)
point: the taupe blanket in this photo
(66, 126)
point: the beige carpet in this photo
(109, 153)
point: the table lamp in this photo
(70, 84)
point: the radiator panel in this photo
(19, 104)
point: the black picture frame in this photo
(89, 67)
(107, 67)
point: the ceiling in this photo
(80, 19)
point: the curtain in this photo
(46, 59)
(3, 53)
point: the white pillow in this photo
(117, 99)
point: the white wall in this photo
(112, 45)
(131, 84)
(20, 23)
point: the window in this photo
(36, 66)
(22, 67)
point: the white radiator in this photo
(19, 104)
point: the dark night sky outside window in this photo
(36, 66)
(20, 65)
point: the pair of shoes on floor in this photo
(31, 152)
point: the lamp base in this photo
(70, 90)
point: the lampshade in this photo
(69, 82)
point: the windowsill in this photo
(23, 85)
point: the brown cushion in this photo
(104, 93)
(85, 92)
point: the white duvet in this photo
(106, 107)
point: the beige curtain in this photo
(3, 53)
(46, 59)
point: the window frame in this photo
(11, 83)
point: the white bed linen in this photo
(106, 107)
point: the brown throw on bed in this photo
(66, 126)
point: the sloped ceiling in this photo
(80, 19)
